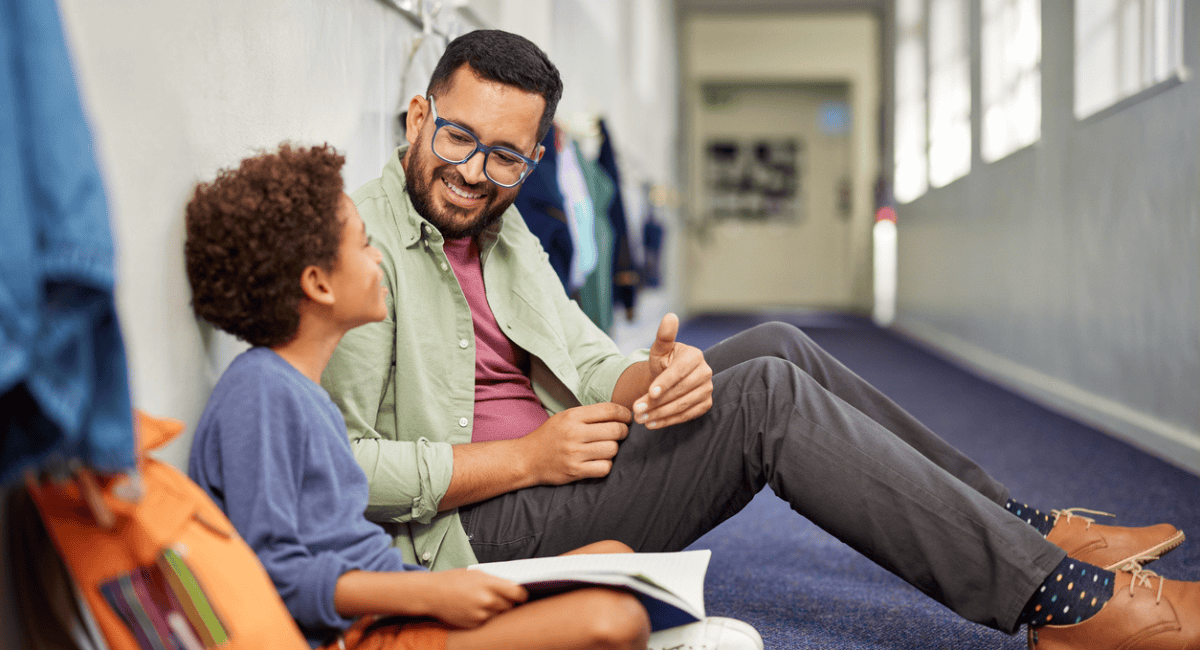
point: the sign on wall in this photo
(754, 179)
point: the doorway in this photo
(772, 196)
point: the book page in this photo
(680, 573)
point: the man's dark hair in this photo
(505, 58)
(253, 230)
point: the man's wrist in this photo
(483, 470)
(632, 384)
(522, 460)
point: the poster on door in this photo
(754, 179)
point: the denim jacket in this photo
(63, 380)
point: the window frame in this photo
(913, 37)
(1177, 71)
(1013, 76)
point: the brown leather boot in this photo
(1146, 612)
(1110, 547)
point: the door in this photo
(771, 196)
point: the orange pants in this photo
(374, 633)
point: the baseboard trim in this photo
(1170, 442)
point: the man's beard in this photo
(421, 193)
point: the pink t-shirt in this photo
(505, 405)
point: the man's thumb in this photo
(664, 340)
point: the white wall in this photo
(1071, 269)
(176, 89)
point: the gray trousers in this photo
(787, 414)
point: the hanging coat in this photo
(625, 274)
(541, 205)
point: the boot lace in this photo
(1070, 513)
(1142, 576)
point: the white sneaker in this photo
(712, 633)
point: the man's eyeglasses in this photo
(455, 145)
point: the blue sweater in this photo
(271, 450)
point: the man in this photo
(447, 407)
(278, 233)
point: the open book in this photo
(670, 585)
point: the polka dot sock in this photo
(1073, 592)
(1032, 516)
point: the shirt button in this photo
(462, 422)
(463, 344)
(445, 266)
(426, 555)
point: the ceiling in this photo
(760, 6)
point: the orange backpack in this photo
(166, 571)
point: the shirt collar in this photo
(409, 225)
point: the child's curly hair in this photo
(253, 230)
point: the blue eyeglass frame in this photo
(439, 122)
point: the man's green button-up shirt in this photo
(406, 385)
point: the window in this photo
(1011, 76)
(912, 171)
(949, 92)
(1123, 47)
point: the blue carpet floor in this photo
(804, 589)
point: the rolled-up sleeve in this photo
(408, 479)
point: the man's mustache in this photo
(454, 178)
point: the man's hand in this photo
(680, 381)
(576, 443)
(465, 598)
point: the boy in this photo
(277, 255)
